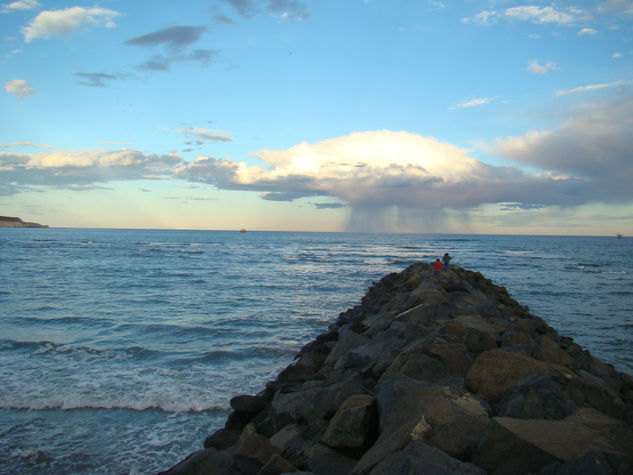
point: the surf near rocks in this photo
(431, 373)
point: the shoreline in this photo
(431, 372)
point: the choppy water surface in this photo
(120, 349)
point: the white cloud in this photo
(20, 88)
(63, 168)
(532, 13)
(535, 67)
(587, 31)
(20, 5)
(65, 22)
(479, 101)
(545, 14)
(591, 87)
(381, 169)
(616, 55)
(486, 17)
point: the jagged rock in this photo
(276, 466)
(553, 352)
(346, 342)
(496, 371)
(526, 446)
(537, 397)
(253, 451)
(354, 427)
(250, 404)
(330, 463)
(418, 457)
(203, 462)
(222, 439)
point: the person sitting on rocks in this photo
(437, 266)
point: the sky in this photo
(500, 117)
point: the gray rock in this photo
(203, 462)
(496, 371)
(525, 446)
(419, 458)
(222, 439)
(354, 427)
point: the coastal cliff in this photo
(431, 373)
(13, 222)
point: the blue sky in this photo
(322, 115)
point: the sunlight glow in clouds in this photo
(376, 169)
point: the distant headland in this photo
(13, 222)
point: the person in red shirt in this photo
(437, 266)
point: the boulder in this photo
(203, 462)
(276, 466)
(496, 371)
(222, 439)
(529, 445)
(354, 427)
(253, 451)
(419, 458)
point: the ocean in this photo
(120, 349)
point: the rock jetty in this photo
(439, 373)
(13, 222)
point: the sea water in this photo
(120, 349)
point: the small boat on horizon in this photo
(242, 230)
(619, 236)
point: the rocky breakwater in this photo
(431, 373)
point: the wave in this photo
(80, 402)
(50, 348)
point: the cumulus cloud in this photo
(382, 169)
(65, 22)
(534, 67)
(20, 5)
(594, 147)
(66, 168)
(20, 88)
